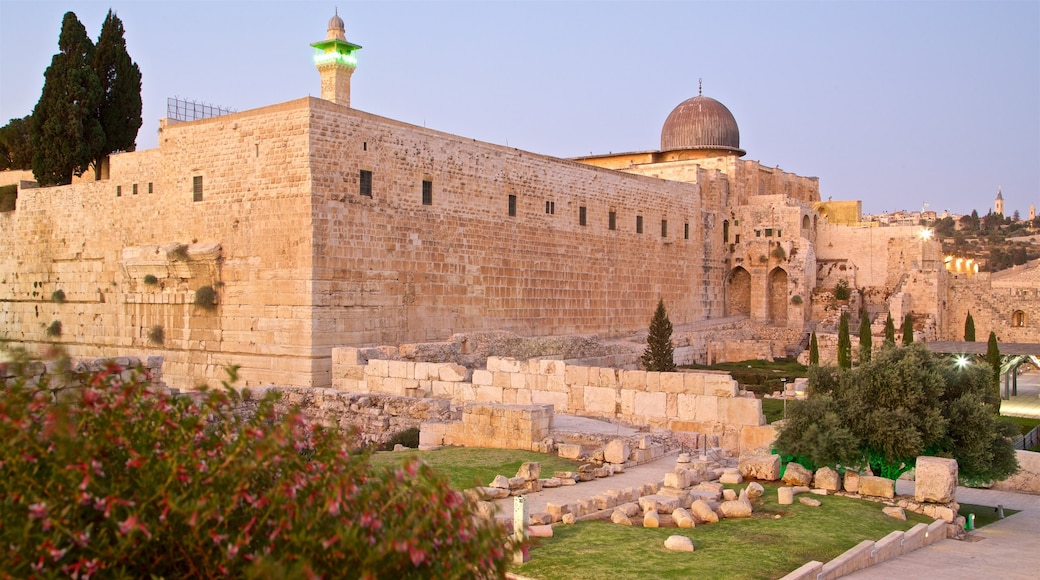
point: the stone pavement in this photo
(1027, 402)
(1007, 549)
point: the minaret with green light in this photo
(336, 60)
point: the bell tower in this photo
(998, 204)
(336, 60)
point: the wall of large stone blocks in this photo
(249, 238)
(1006, 302)
(703, 402)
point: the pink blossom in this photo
(38, 510)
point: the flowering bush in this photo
(114, 480)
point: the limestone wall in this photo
(1005, 302)
(495, 426)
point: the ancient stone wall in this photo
(496, 426)
(1005, 302)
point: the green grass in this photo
(1025, 424)
(469, 466)
(984, 515)
(760, 376)
(773, 409)
(758, 547)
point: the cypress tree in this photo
(844, 342)
(15, 148)
(890, 330)
(908, 330)
(814, 350)
(993, 358)
(120, 109)
(865, 346)
(659, 352)
(969, 329)
(66, 134)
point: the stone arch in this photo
(725, 231)
(738, 292)
(778, 296)
(805, 224)
(1018, 318)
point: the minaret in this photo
(998, 204)
(336, 61)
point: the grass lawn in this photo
(760, 376)
(471, 466)
(773, 409)
(984, 515)
(758, 547)
(1025, 424)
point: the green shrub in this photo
(156, 334)
(58, 296)
(180, 252)
(54, 330)
(8, 197)
(796, 299)
(408, 438)
(778, 253)
(116, 481)
(150, 280)
(841, 290)
(206, 298)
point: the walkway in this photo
(1027, 403)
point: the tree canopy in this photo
(908, 329)
(120, 78)
(903, 403)
(844, 342)
(814, 350)
(865, 345)
(969, 329)
(15, 147)
(659, 353)
(890, 330)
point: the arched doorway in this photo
(805, 226)
(778, 296)
(1018, 318)
(738, 293)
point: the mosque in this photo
(265, 238)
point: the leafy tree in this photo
(969, 329)
(844, 342)
(814, 350)
(890, 330)
(903, 403)
(908, 329)
(993, 358)
(841, 290)
(120, 109)
(659, 353)
(15, 145)
(864, 336)
(66, 134)
(945, 227)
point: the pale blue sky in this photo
(894, 103)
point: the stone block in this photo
(540, 518)
(935, 479)
(616, 451)
(679, 544)
(703, 513)
(619, 517)
(851, 482)
(874, 486)
(672, 383)
(650, 405)
(742, 411)
(731, 476)
(568, 450)
(650, 520)
(452, 373)
(894, 512)
(658, 503)
(761, 467)
(828, 479)
(811, 502)
(795, 474)
(683, 518)
(482, 377)
(755, 490)
(785, 495)
(600, 400)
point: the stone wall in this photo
(1005, 302)
(496, 426)
(61, 374)
(1027, 480)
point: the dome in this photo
(336, 29)
(701, 123)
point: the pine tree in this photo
(814, 350)
(993, 358)
(865, 346)
(659, 353)
(15, 147)
(120, 109)
(908, 330)
(969, 329)
(844, 342)
(66, 134)
(890, 330)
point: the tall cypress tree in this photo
(659, 353)
(844, 342)
(890, 330)
(814, 350)
(908, 330)
(969, 329)
(66, 134)
(865, 346)
(993, 358)
(120, 109)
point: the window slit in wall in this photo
(512, 205)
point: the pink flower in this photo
(38, 511)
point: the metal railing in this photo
(185, 110)
(1029, 440)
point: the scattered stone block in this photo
(645, 441)
(616, 451)
(828, 479)
(795, 474)
(630, 509)
(602, 472)
(894, 512)
(703, 513)
(650, 520)
(852, 481)
(530, 470)
(500, 481)
(785, 495)
(569, 519)
(755, 490)
(551, 482)
(568, 450)
(566, 482)
(556, 511)
(486, 510)
(620, 517)
(735, 509)
(875, 486)
(730, 476)
(936, 479)
(817, 491)
(540, 531)
(517, 483)
(729, 494)
(809, 501)
(658, 503)
(683, 518)
(533, 486)
(944, 513)
(540, 518)
(762, 467)
(679, 544)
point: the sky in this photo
(898, 104)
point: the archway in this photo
(1018, 318)
(778, 296)
(738, 292)
(805, 225)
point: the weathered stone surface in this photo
(569, 519)
(616, 451)
(729, 494)
(533, 485)
(683, 518)
(517, 483)
(551, 482)
(530, 470)
(556, 511)
(703, 513)
(809, 501)
(490, 493)
(894, 512)
(935, 479)
(755, 490)
(630, 509)
(731, 476)
(785, 495)
(501, 482)
(650, 520)
(852, 481)
(1027, 480)
(620, 517)
(735, 509)
(875, 486)
(827, 478)
(540, 531)
(540, 518)
(763, 467)
(658, 503)
(944, 513)
(679, 544)
(486, 510)
(795, 474)
(568, 450)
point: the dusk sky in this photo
(894, 103)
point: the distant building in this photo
(998, 204)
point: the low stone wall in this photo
(703, 402)
(497, 426)
(1027, 480)
(61, 373)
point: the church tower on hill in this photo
(998, 204)
(336, 60)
